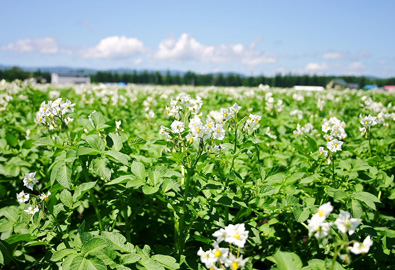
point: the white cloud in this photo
(333, 55)
(115, 47)
(138, 61)
(47, 45)
(187, 48)
(316, 67)
(356, 66)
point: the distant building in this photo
(370, 87)
(70, 78)
(341, 84)
(308, 88)
(390, 88)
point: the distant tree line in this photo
(191, 78)
(230, 79)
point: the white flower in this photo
(31, 211)
(325, 209)
(323, 152)
(236, 234)
(235, 108)
(368, 121)
(345, 224)
(316, 225)
(29, 181)
(334, 145)
(363, 248)
(219, 147)
(220, 253)
(235, 263)
(219, 132)
(177, 126)
(118, 124)
(44, 196)
(207, 257)
(22, 197)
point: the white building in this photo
(308, 88)
(70, 78)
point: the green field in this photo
(153, 177)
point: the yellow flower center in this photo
(46, 198)
(30, 180)
(217, 253)
(321, 213)
(336, 131)
(335, 144)
(191, 140)
(210, 125)
(366, 122)
(225, 114)
(235, 265)
(237, 236)
(321, 153)
(44, 109)
(198, 130)
(218, 131)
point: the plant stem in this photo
(66, 241)
(92, 196)
(181, 232)
(98, 215)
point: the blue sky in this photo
(338, 37)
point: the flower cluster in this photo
(50, 112)
(298, 113)
(30, 181)
(271, 106)
(212, 128)
(321, 104)
(4, 99)
(306, 129)
(367, 122)
(252, 122)
(318, 226)
(335, 133)
(218, 257)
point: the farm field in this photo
(181, 177)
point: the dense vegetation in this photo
(152, 177)
(191, 78)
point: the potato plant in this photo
(150, 177)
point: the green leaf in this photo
(81, 263)
(117, 141)
(138, 169)
(120, 180)
(136, 141)
(87, 151)
(167, 261)
(118, 156)
(93, 244)
(60, 254)
(100, 168)
(11, 139)
(301, 215)
(82, 189)
(46, 141)
(118, 241)
(19, 238)
(61, 173)
(66, 198)
(367, 198)
(96, 142)
(287, 261)
(147, 190)
(99, 121)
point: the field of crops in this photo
(148, 177)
